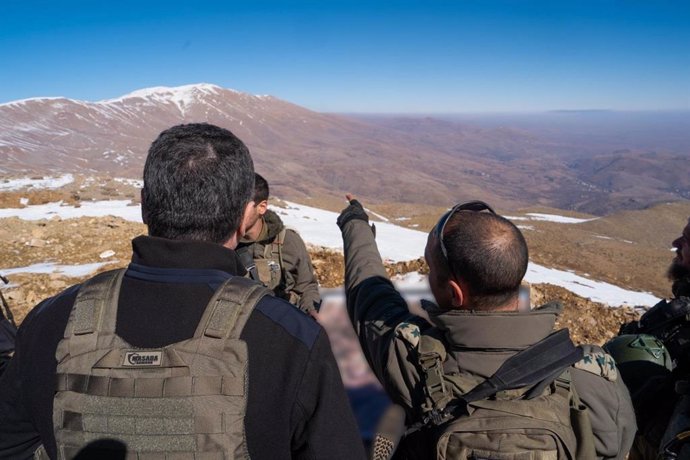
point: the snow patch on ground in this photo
(597, 291)
(318, 227)
(46, 183)
(395, 243)
(550, 218)
(556, 218)
(118, 208)
(73, 271)
(379, 216)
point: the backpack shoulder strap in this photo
(230, 307)
(431, 353)
(579, 417)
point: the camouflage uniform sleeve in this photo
(379, 314)
(299, 273)
(601, 389)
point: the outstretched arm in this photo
(377, 310)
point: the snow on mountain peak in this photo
(179, 92)
(182, 96)
(31, 99)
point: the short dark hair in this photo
(197, 180)
(489, 253)
(261, 189)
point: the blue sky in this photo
(358, 56)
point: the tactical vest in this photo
(546, 422)
(270, 266)
(186, 400)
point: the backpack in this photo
(528, 410)
(186, 400)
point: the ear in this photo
(262, 207)
(144, 214)
(457, 294)
(242, 229)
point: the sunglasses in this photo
(476, 206)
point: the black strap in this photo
(535, 366)
(542, 361)
(248, 261)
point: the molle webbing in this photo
(151, 387)
(188, 401)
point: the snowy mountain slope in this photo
(305, 154)
(317, 227)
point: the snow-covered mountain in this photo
(306, 154)
(47, 134)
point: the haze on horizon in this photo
(359, 56)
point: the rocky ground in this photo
(106, 240)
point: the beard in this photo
(677, 271)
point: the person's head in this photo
(198, 183)
(260, 205)
(484, 262)
(680, 267)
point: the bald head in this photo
(488, 254)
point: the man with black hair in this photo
(178, 355)
(479, 378)
(276, 255)
(654, 353)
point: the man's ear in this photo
(262, 207)
(232, 242)
(457, 294)
(144, 214)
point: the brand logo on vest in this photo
(143, 358)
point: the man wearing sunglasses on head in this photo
(480, 378)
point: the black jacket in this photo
(296, 408)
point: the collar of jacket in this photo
(270, 229)
(681, 287)
(164, 253)
(480, 342)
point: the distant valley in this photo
(306, 155)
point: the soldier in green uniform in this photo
(478, 378)
(654, 358)
(276, 255)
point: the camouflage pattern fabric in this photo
(598, 362)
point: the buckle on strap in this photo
(434, 384)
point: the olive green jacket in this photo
(297, 283)
(477, 343)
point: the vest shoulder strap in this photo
(230, 307)
(275, 247)
(97, 298)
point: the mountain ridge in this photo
(307, 154)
